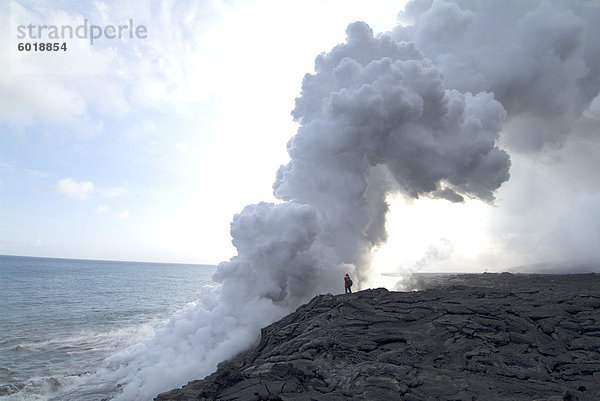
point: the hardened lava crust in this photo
(462, 337)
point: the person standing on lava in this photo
(347, 284)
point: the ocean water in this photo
(60, 319)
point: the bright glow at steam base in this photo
(443, 235)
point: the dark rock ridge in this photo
(467, 337)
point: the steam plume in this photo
(418, 110)
(375, 117)
(540, 58)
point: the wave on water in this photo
(79, 381)
(130, 349)
(88, 341)
(61, 319)
(41, 388)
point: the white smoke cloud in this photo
(374, 117)
(558, 223)
(377, 103)
(540, 58)
(190, 345)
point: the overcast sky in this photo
(144, 148)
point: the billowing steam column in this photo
(375, 117)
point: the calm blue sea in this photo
(60, 318)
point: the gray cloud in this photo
(541, 59)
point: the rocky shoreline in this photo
(464, 337)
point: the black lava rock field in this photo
(461, 337)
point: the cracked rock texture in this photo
(465, 337)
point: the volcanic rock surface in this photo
(465, 337)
